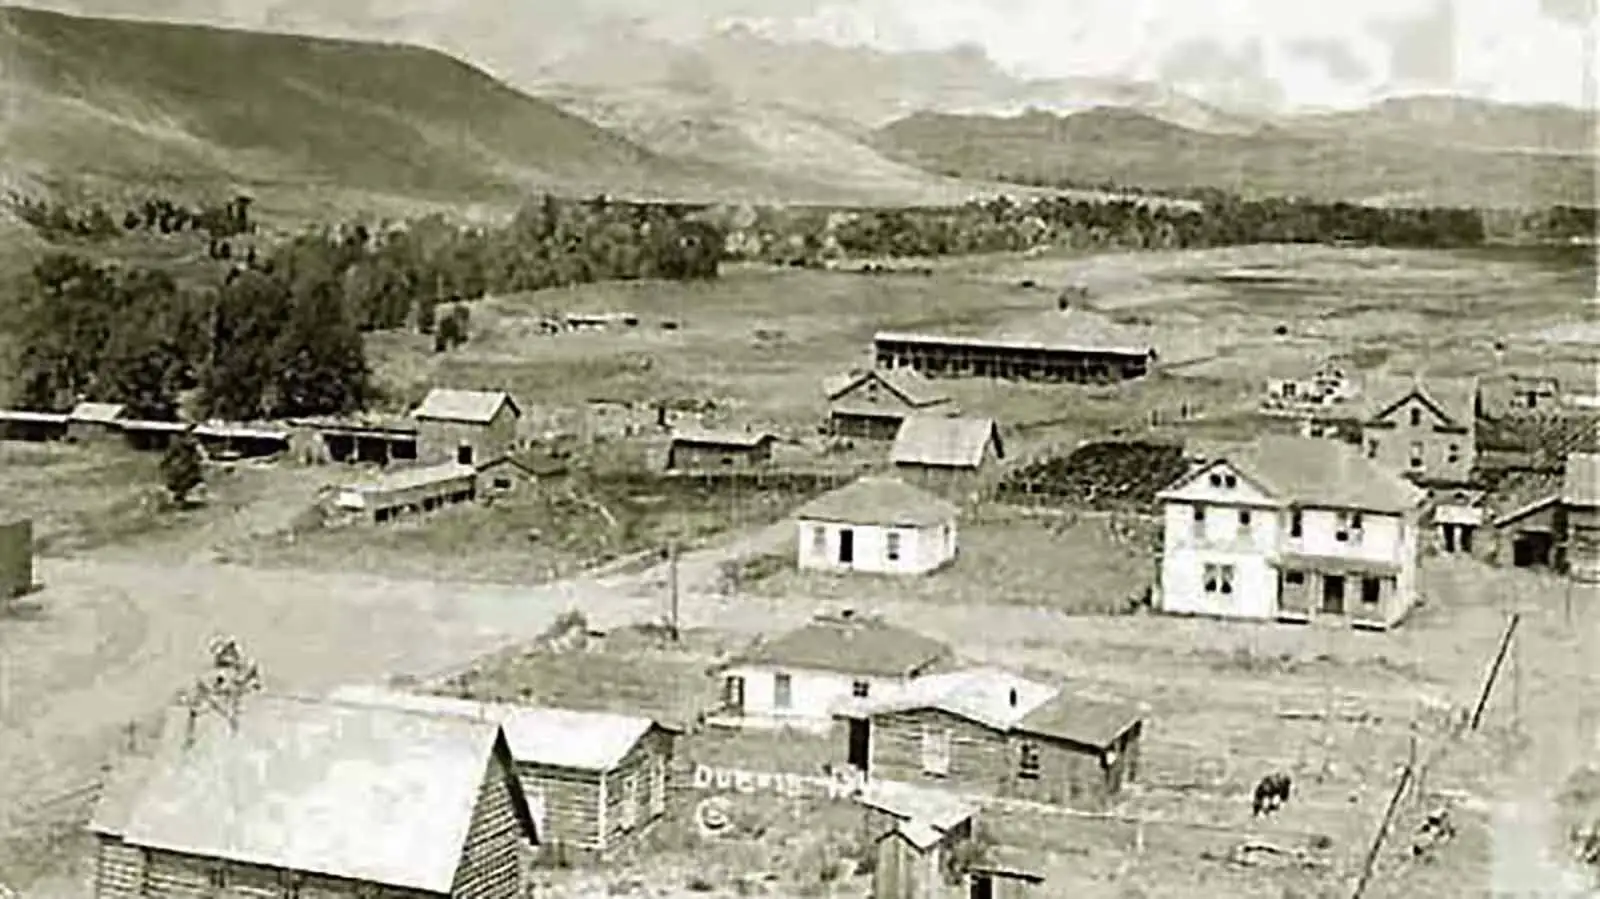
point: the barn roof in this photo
(984, 695)
(559, 738)
(1455, 398)
(471, 406)
(1078, 719)
(945, 441)
(865, 646)
(1313, 471)
(101, 413)
(721, 437)
(319, 787)
(879, 501)
(906, 383)
(1072, 329)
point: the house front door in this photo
(860, 750)
(847, 546)
(733, 694)
(1333, 594)
(982, 887)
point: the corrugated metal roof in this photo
(472, 406)
(945, 441)
(983, 695)
(562, 738)
(721, 437)
(906, 383)
(99, 413)
(322, 787)
(1310, 471)
(879, 501)
(864, 646)
(1580, 484)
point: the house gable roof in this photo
(559, 738)
(1453, 400)
(321, 787)
(912, 389)
(854, 646)
(470, 406)
(1077, 719)
(945, 441)
(1316, 472)
(886, 502)
(981, 695)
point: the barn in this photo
(796, 678)
(354, 439)
(700, 449)
(16, 558)
(596, 782)
(949, 455)
(95, 422)
(876, 525)
(870, 405)
(990, 732)
(1058, 346)
(1560, 529)
(311, 798)
(466, 426)
(408, 491)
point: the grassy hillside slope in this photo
(1135, 149)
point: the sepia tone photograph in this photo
(807, 449)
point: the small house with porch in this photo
(1292, 528)
(465, 426)
(303, 797)
(595, 781)
(946, 454)
(871, 404)
(1560, 529)
(876, 525)
(703, 449)
(989, 732)
(797, 678)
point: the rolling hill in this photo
(114, 103)
(1131, 148)
(1461, 122)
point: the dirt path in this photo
(117, 637)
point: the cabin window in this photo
(464, 454)
(891, 546)
(1297, 523)
(1294, 578)
(502, 483)
(1453, 454)
(1244, 519)
(1028, 761)
(1219, 578)
(935, 752)
(1416, 455)
(1416, 418)
(782, 691)
(819, 540)
(860, 689)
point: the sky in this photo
(1266, 53)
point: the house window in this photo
(628, 815)
(1297, 523)
(1371, 591)
(733, 693)
(1372, 449)
(1453, 454)
(1199, 521)
(1229, 480)
(1216, 480)
(1351, 532)
(1244, 520)
(1416, 455)
(1416, 418)
(502, 483)
(935, 752)
(860, 689)
(782, 691)
(819, 540)
(464, 454)
(219, 876)
(1028, 762)
(1219, 578)
(891, 546)
(1294, 578)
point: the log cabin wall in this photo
(491, 861)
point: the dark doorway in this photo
(1464, 538)
(464, 454)
(1531, 549)
(1371, 591)
(847, 546)
(1449, 538)
(733, 694)
(1333, 594)
(982, 887)
(860, 752)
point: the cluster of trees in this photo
(93, 221)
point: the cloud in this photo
(1422, 49)
(1335, 58)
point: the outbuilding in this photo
(595, 781)
(871, 405)
(701, 449)
(95, 422)
(1560, 529)
(466, 426)
(408, 491)
(797, 678)
(945, 453)
(876, 525)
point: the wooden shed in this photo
(311, 798)
(16, 558)
(466, 426)
(946, 454)
(595, 781)
(870, 405)
(700, 449)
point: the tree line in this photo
(280, 333)
(94, 221)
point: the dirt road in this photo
(117, 636)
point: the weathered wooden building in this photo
(296, 797)
(21, 424)
(408, 491)
(595, 781)
(948, 455)
(870, 405)
(240, 440)
(700, 449)
(1559, 530)
(353, 439)
(1071, 346)
(930, 844)
(95, 422)
(16, 558)
(466, 426)
(990, 732)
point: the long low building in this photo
(406, 490)
(1071, 346)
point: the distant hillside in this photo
(125, 101)
(1131, 148)
(1463, 122)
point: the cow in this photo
(1271, 793)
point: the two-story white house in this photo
(1295, 529)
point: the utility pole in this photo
(1494, 672)
(1371, 861)
(672, 588)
